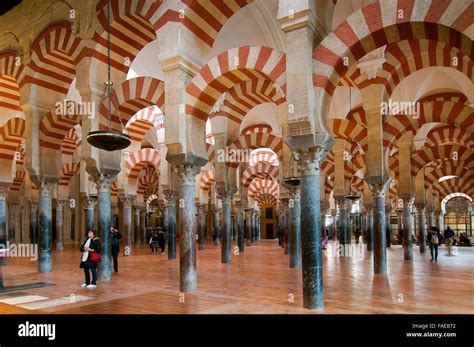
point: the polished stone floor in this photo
(258, 281)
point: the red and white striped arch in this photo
(208, 179)
(256, 129)
(406, 57)
(257, 140)
(450, 135)
(132, 96)
(263, 155)
(456, 185)
(456, 114)
(228, 69)
(379, 24)
(244, 96)
(18, 181)
(53, 59)
(54, 127)
(453, 195)
(139, 159)
(11, 136)
(430, 154)
(266, 200)
(71, 142)
(67, 172)
(144, 120)
(260, 170)
(131, 28)
(259, 187)
(11, 72)
(351, 131)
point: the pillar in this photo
(388, 225)
(286, 230)
(241, 229)
(34, 222)
(73, 223)
(295, 229)
(399, 224)
(136, 227)
(440, 218)
(3, 231)
(104, 216)
(59, 224)
(370, 228)
(407, 230)
(12, 208)
(201, 226)
(171, 206)
(226, 242)
(248, 225)
(45, 260)
(127, 203)
(187, 241)
(253, 223)
(344, 228)
(379, 231)
(421, 209)
(143, 225)
(88, 205)
(311, 249)
(217, 228)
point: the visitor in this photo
(433, 239)
(449, 237)
(357, 235)
(115, 249)
(464, 240)
(161, 239)
(89, 263)
(154, 241)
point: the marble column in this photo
(286, 230)
(201, 226)
(45, 260)
(379, 231)
(89, 204)
(217, 227)
(104, 219)
(127, 203)
(440, 218)
(370, 228)
(432, 219)
(73, 224)
(388, 225)
(34, 222)
(187, 241)
(344, 227)
(171, 234)
(421, 212)
(59, 224)
(399, 223)
(143, 225)
(248, 225)
(407, 230)
(294, 236)
(136, 227)
(226, 242)
(253, 224)
(311, 248)
(12, 208)
(241, 229)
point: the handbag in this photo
(95, 257)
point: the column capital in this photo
(60, 204)
(104, 182)
(187, 173)
(309, 160)
(127, 201)
(47, 189)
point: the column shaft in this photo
(202, 227)
(59, 225)
(379, 231)
(407, 231)
(45, 260)
(295, 231)
(241, 232)
(171, 205)
(226, 256)
(422, 226)
(104, 221)
(127, 229)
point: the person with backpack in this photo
(90, 249)
(154, 241)
(161, 239)
(115, 249)
(433, 239)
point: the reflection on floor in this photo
(258, 281)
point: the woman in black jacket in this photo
(91, 244)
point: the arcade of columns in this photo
(200, 106)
